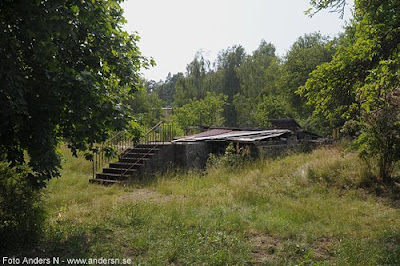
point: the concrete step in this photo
(146, 146)
(103, 181)
(128, 165)
(119, 171)
(115, 177)
(122, 165)
(142, 150)
(137, 155)
(133, 160)
(158, 145)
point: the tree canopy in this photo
(308, 52)
(358, 87)
(66, 68)
(258, 86)
(203, 112)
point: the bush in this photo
(232, 158)
(21, 212)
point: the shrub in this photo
(21, 212)
(232, 158)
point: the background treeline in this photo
(240, 89)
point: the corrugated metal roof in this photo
(211, 132)
(235, 135)
(257, 138)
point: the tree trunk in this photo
(384, 169)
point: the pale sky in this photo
(172, 31)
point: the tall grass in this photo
(301, 209)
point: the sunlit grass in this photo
(304, 208)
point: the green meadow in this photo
(319, 208)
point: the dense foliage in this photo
(258, 80)
(21, 208)
(146, 106)
(66, 67)
(359, 87)
(203, 112)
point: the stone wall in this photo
(161, 162)
(176, 156)
(191, 155)
(194, 155)
(276, 150)
(273, 151)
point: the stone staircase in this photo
(148, 156)
(128, 166)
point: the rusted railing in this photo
(109, 150)
(115, 147)
(160, 134)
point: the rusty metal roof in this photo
(235, 135)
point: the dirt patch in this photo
(322, 249)
(150, 196)
(265, 248)
(268, 249)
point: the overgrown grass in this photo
(301, 209)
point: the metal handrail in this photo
(118, 142)
(150, 137)
(154, 128)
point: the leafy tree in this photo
(271, 107)
(204, 112)
(228, 61)
(258, 75)
(355, 87)
(334, 5)
(380, 138)
(66, 67)
(192, 86)
(166, 89)
(146, 106)
(304, 56)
